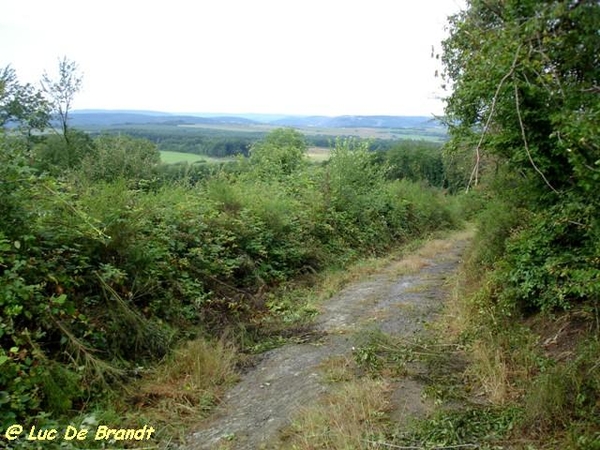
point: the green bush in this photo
(92, 258)
(553, 263)
(56, 155)
(495, 224)
(120, 156)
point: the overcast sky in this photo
(326, 57)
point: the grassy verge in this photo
(494, 381)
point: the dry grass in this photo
(345, 419)
(186, 386)
(334, 281)
(490, 372)
(416, 260)
(338, 369)
(408, 259)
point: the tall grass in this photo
(350, 417)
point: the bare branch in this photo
(517, 101)
(475, 172)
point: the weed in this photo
(347, 418)
(339, 369)
(186, 386)
(376, 352)
(479, 427)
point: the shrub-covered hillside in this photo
(108, 259)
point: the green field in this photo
(432, 134)
(169, 157)
(318, 154)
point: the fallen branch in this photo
(448, 447)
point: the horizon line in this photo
(229, 114)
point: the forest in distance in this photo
(134, 291)
(224, 136)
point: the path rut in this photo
(288, 377)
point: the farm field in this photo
(430, 134)
(170, 157)
(315, 154)
(318, 154)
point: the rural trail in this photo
(399, 299)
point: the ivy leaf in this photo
(60, 300)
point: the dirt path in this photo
(397, 300)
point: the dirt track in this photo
(398, 300)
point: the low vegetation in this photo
(125, 281)
(514, 362)
(99, 241)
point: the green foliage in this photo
(194, 140)
(375, 351)
(517, 81)
(96, 254)
(488, 427)
(553, 263)
(416, 161)
(495, 224)
(567, 393)
(185, 172)
(117, 157)
(56, 155)
(523, 115)
(281, 153)
(22, 105)
(525, 78)
(352, 172)
(61, 91)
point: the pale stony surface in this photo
(268, 395)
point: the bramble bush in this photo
(104, 269)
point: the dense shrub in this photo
(553, 263)
(417, 161)
(84, 263)
(120, 156)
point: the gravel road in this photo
(399, 300)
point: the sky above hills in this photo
(327, 57)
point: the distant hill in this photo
(359, 122)
(98, 117)
(84, 118)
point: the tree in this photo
(8, 92)
(526, 84)
(121, 157)
(526, 97)
(62, 91)
(280, 153)
(56, 156)
(416, 161)
(22, 105)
